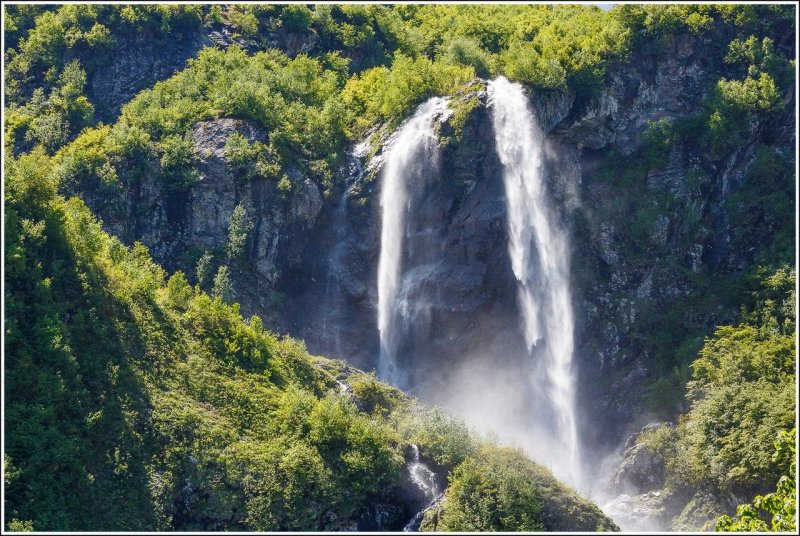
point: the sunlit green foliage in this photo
(446, 440)
(373, 396)
(736, 104)
(742, 395)
(781, 505)
(160, 407)
(154, 404)
(51, 50)
(499, 489)
(382, 94)
(19, 19)
(250, 160)
(313, 106)
(743, 389)
(492, 492)
(550, 47)
(52, 121)
(129, 385)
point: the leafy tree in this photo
(239, 227)
(781, 505)
(203, 269)
(223, 287)
(179, 290)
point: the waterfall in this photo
(537, 246)
(405, 165)
(425, 480)
(330, 329)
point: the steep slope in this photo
(136, 402)
(652, 171)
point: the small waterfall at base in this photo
(405, 165)
(425, 480)
(540, 260)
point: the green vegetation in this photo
(240, 226)
(160, 408)
(499, 489)
(155, 405)
(742, 395)
(52, 121)
(488, 493)
(736, 104)
(743, 392)
(52, 50)
(781, 505)
(750, 96)
(370, 64)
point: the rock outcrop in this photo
(642, 499)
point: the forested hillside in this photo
(135, 401)
(192, 201)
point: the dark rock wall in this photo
(310, 263)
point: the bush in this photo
(780, 505)
(177, 162)
(373, 396)
(443, 438)
(492, 492)
(742, 394)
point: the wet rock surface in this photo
(649, 511)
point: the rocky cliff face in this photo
(684, 231)
(310, 262)
(461, 289)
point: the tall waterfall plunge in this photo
(407, 162)
(528, 400)
(540, 260)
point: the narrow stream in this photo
(426, 481)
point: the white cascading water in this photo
(540, 260)
(426, 481)
(407, 155)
